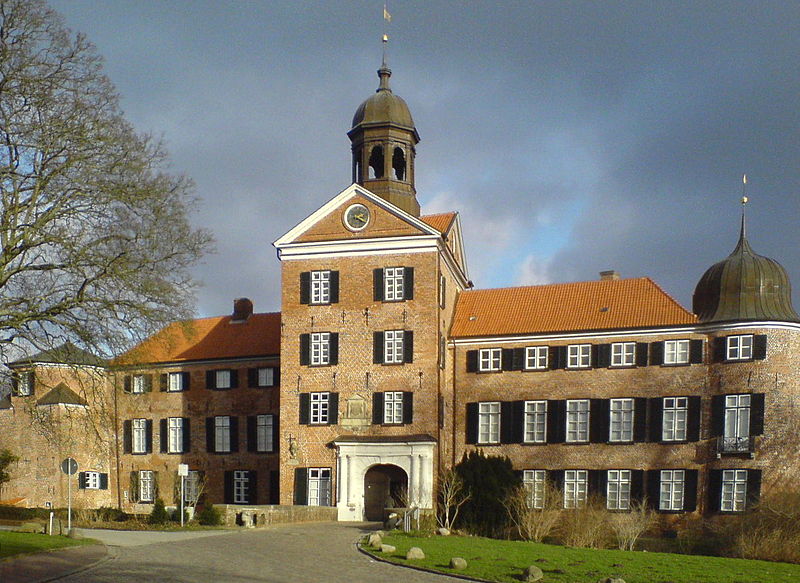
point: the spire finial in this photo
(385, 72)
(743, 233)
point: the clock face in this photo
(356, 217)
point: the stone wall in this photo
(259, 516)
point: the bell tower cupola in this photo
(384, 142)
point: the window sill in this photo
(675, 364)
(534, 443)
(488, 371)
(535, 369)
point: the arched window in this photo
(399, 164)
(376, 163)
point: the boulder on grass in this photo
(458, 563)
(532, 573)
(415, 553)
(611, 580)
(388, 549)
(374, 541)
(444, 531)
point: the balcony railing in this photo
(736, 445)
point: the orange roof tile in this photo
(209, 338)
(440, 222)
(567, 307)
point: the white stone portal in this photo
(415, 458)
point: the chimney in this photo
(610, 274)
(242, 309)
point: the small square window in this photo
(739, 347)
(266, 377)
(175, 382)
(139, 383)
(579, 356)
(92, 481)
(536, 358)
(223, 379)
(676, 352)
(489, 359)
(623, 354)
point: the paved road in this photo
(322, 552)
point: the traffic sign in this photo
(69, 466)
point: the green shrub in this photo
(175, 516)
(209, 516)
(17, 513)
(159, 514)
(110, 514)
(489, 481)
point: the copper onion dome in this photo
(745, 286)
(384, 106)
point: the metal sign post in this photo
(69, 466)
(183, 471)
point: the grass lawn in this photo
(498, 560)
(18, 543)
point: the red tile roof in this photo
(209, 338)
(567, 307)
(440, 222)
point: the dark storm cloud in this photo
(572, 136)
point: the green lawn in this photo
(17, 543)
(498, 560)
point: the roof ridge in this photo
(553, 284)
(669, 296)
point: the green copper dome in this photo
(384, 107)
(745, 286)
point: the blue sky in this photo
(573, 137)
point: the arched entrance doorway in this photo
(385, 486)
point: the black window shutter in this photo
(604, 356)
(104, 481)
(234, 429)
(408, 407)
(81, 480)
(717, 415)
(714, 489)
(518, 421)
(556, 421)
(305, 287)
(657, 353)
(187, 435)
(560, 356)
(720, 349)
(753, 487)
(155, 485)
(472, 423)
(598, 420)
(251, 433)
(334, 283)
(274, 487)
(333, 408)
(557, 478)
(148, 436)
(377, 284)
(507, 359)
(507, 422)
(127, 436)
(593, 355)
(408, 283)
(234, 378)
(211, 379)
(163, 382)
(637, 485)
(301, 486)
(656, 418)
(472, 361)
(186, 381)
(276, 376)
(252, 492)
(148, 383)
(305, 347)
(252, 377)
(693, 419)
(653, 488)
(641, 353)
(696, 351)
(377, 347)
(228, 494)
(305, 408)
(162, 429)
(377, 408)
(408, 346)
(210, 435)
(597, 483)
(276, 434)
(757, 414)
(690, 491)
(333, 348)
(640, 419)
(759, 347)
(519, 359)
(127, 383)
(134, 488)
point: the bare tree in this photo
(451, 497)
(96, 241)
(6, 460)
(532, 523)
(629, 526)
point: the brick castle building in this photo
(384, 367)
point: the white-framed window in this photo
(92, 480)
(175, 382)
(489, 359)
(319, 486)
(176, 429)
(25, 384)
(393, 346)
(320, 408)
(222, 434)
(191, 488)
(618, 490)
(535, 429)
(139, 436)
(739, 347)
(393, 407)
(489, 422)
(623, 353)
(737, 422)
(146, 486)
(577, 420)
(534, 482)
(536, 358)
(674, 417)
(264, 433)
(575, 488)
(734, 491)
(673, 485)
(223, 379)
(265, 376)
(621, 426)
(138, 383)
(394, 284)
(676, 352)
(579, 356)
(320, 287)
(320, 348)
(241, 486)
